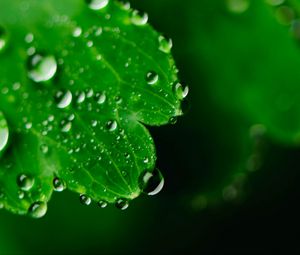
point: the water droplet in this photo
(58, 185)
(173, 120)
(21, 194)
(180, 91)
(164, 44)
(111, 125)
(41, 68)
(101, 98)
(85, 200)
(3, 38)
(4, 132)
(66, 127)
(77, 32)
(25, 182)
(37, 209)
(238, 6)
(63, 99)
(97, 4)
(102, 204)
(139, 19)
(44, 148)
(80, 98)
(29, 38)
(122, 204)
(151, 182)
(152, 78)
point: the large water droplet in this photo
(58, 185)
(4, 133)
(97, 4)
(63, 99)
(41, 68)
(85, 200)
(37, 209)
(152, 78)
(3, 38)
(122, 204)
(151, 182)
(139, 19)
(25, 182)
(164, 44)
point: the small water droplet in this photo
(152, 78)
(58, 184)
(102, 204)
(151, 182)
(97, 4)
(164, 44)
(4, 132)
(180, 91)
(139, 19)
(41, 67)
(3, 38)
(29, 38)
(122, 204)
(80, 98)
(100, 98)
(238, 6)
(25, 182)
(37, 209)
(85, 200)
(77, 32)
(173, 120)
(111, 125)
(44, 148)
(63, 99)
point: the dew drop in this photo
(111, 125)
(100, 98)
(173, 120)
(38, 209)
(164, 44)
(139, 19)
(180, 91)
(151, 182)
(29, 38)
(238, 6)
(25, 182)
(77, 32)
(66, 127)
(4, 132)
(63, 99)
(152, 78)
(122, 204)
(3, 38)
(44, 148)
(58, 184)
(41, 68)
(80, 98)
(102, 204)
(85, 200)
(97, 4)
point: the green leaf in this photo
(255, 59)
(78, 81)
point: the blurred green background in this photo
(231, 164)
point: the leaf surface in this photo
(78, 82)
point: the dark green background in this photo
(218, 53)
